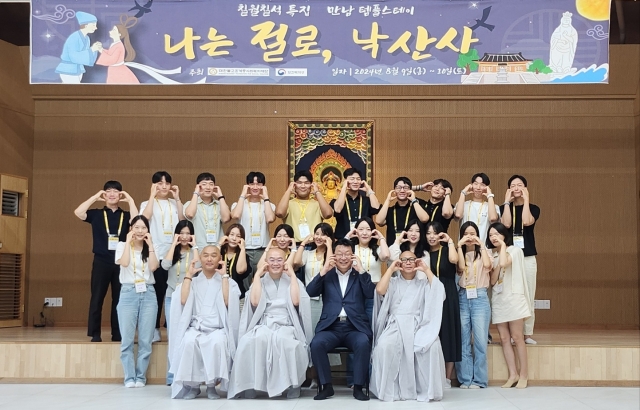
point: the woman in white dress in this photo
(412, 239)
(509, 302)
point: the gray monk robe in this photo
(203, 334)
(407, 356)
(274, 337)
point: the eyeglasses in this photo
(403, 188)
(405, 260)
(275, 260)
(343, 256)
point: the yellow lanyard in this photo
(438, 263)
(162, 213)
(228, 264)
(106, 223)
(187, 264)
(133, 259)
(513, 211)
(466, 273)
(251, 217)
(395, 218)
(204, 214)
(433, 215)
(313, 265)
(302, 211)
(359, 211)
(479, 212)
(368, 258)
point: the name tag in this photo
(518, 240)
(211, 236)
(256, 239)
(472, 292)
(303, 229)
(352, 225)
(168, 236)
(498, 287)
(141, 286)
(113, 242)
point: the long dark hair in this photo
(421, 245)
(326, 230)
(179, 227)
(373, 243)
(225, 248)
(287, 228)
(502, 230)
(463, 228)
(144, 255)
(437, 228)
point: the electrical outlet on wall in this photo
(58, 302)
(542, 304)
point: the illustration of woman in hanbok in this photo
(121, 51)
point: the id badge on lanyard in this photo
(168, 236)
(141, 286)
(498, 287)
(472, 292)
(518, 241)
(303, 229)
(352, 225)
(113, 242)
(211, 236)
(256, 239)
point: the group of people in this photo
(247, 312)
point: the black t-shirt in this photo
(399, 213)
(233, 272)
(100, 237)
(516, 228)
(352, 209)
(435, 214)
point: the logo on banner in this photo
(238, 72)
(291, 72)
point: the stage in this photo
(561, 358)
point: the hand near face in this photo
(508, 196)
(192, 240)
(198, 189)
(192, 269)
(307, 240)
(217, 192)
(365, 187)
(444, 237)
(447, 191)
(223, 240)
(328, 265)
(125, 197)
(392, 195)
(412, 195)
(147, 239)
(242, 243)
(420, 266)
(292, 188)
(525, 193)
(154, 190)
(245, 191)
(100, 196)
(352, 233)
(175, 191)
(262, 270)
(328, 242)
(264, 194)
(314, 187)
(427, 187)
(376, 234)
(468, 189)
(176, 238)
(487, 192)
(288, 270)
(404, 236)
(357, 263)
(397, 264)
(129, 236)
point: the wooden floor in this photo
(561, 357)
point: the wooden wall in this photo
(575, 144)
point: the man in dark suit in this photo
(344, 286)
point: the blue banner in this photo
(320, 42)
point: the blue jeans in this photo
(136, 310)
(475, 315)
(167, 310)
(368, 308)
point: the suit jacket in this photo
(359, 288)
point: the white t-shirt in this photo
(206, 219)
(136, 269)
(162, 224)
(478, 213)
(254, 222)
(369, 263)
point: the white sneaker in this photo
(464, 386)
(293, 392)
(130, 385)
(140, 384)
(212, 394)
(314, 384)
(156, 336)
(474, 386)
(530, 341)
(447, 383)
(192, 393)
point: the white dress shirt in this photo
(343, 278)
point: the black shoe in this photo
(325, 392)
(96, 338)
(358, 394)
(116, 338)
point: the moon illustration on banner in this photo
(596, 10)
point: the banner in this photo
(320, 42)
